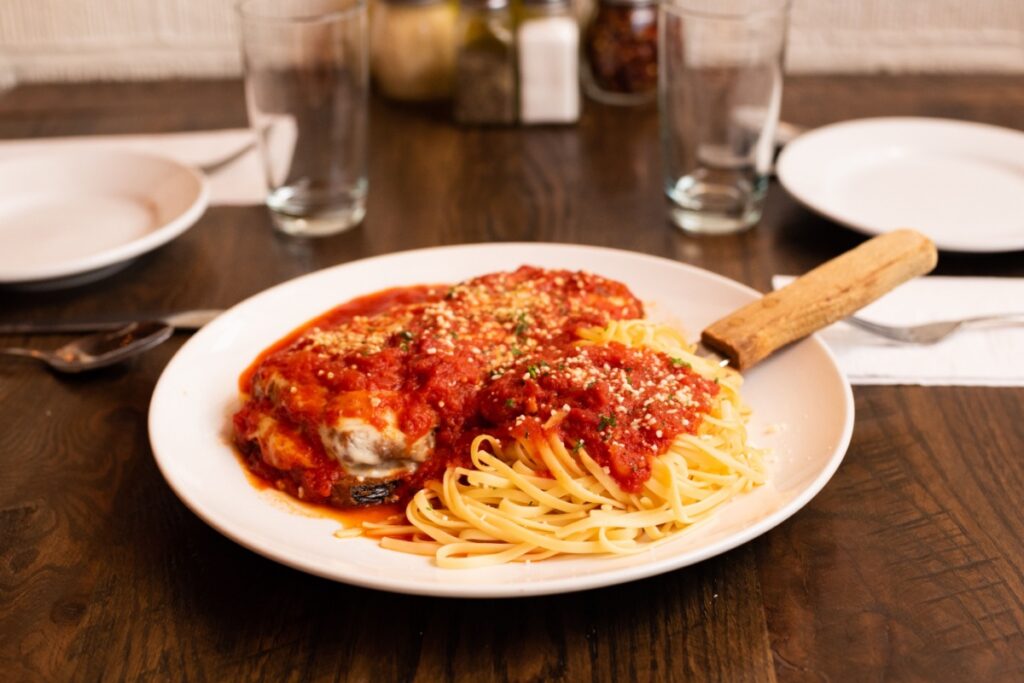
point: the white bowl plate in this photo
(959, 183)
(66, 213)
(803, 410)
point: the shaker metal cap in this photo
(411, 2)
(485, 4)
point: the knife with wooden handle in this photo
(830, 292)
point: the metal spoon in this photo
(102, 349)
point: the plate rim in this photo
(121, 252)
(784, 171)
(566, 584)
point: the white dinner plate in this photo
(68, 213)
(803, 410)
(960, 183)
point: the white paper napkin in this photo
(982, 356)
(240, 183)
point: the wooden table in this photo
(909, 565)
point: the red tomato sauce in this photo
(496, 354)
(624, 405)
(349, 517)
(371, 304)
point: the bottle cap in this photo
(412, 2)
(485, 4)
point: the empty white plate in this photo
(66, 213)
(960, 183)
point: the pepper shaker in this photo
(485, 68)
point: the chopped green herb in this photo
(406, 335)
(591, 384)
(533, 370)
(516, 352)
(680, 362)
(521, 325)
(606, 421)
(510, 403)
(576, 448)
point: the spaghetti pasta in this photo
(516, 416)
(534, 496)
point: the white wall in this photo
(121, 39)
(907, 35)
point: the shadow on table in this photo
(261, 617)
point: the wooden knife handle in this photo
(817, 299)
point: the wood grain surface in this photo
(832, 291)
(909, 565)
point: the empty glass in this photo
(8, 79)
(306, 82)
(720, 89)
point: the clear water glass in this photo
(720, 90)
(307, 87)
(8, 78)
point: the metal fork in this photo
(929, 333)
(216, 165)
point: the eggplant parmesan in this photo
(366, 403)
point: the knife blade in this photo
(184, 321)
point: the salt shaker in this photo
(547, 40)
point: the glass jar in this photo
(412, 48)
(620, 46)
(485, 67)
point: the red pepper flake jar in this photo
(621, 49)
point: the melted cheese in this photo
(366, 451)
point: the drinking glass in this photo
(306, 84)
(720, 89)
(8, 79)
